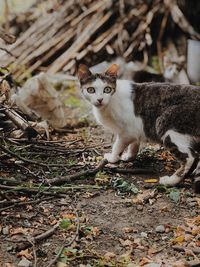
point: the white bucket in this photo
(193, 60)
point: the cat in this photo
(141, 112)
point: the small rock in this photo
(193, 213)
(5, 230)
(160, 229)
(153, 265)
(47, 244)
(19, 162)
(165, 237)
(139, 207)
(192, 204)
(25, 263)
(27, 223)
(150, 210)
(143, 234)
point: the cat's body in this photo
(163, 113)
(120, 115)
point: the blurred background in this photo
(152, 40)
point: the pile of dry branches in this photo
(91, 31)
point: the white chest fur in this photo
(119, 116)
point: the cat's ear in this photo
(112, 70)
(83, 72)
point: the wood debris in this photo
(90, 31)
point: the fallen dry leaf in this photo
(25, 253)
(9, 264)
(23, 198)
(29, 207)
(151, 180)
(19, 230)
(125, 243)
(129, 230)
(109, 255)
(69, 216)
(180, 264)
(154, 250)
(144, 261)
(95, 231)
(45, 210)
(144, 197)
(53, 222)
(178, 239)
(198, 200)
(61, 264)
(197, 243)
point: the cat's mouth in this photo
(98, 105)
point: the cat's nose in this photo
(100, 100)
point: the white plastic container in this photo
(193, 60)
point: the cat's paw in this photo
(170, 180)
(111, 158)
(126, 157)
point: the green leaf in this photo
(133, 189)
(123, 186)
(88, 229)
(161, 188)
(174, 195)
(65, 224)
(70, 251)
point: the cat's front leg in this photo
(131, 152)
(118, 147)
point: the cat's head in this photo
(98, 88)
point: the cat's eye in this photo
(107, 90)
(91, 90)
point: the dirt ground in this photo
(119, 217)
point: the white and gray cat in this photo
(164, 113)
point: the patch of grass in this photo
(72, 101)
(71, 162)
(102, 178)
(123, 187)
(155, 64)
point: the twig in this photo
(68, 244)
(54, 191)
(6, 15)
(20, 122)
(21, 203)
(7, 51)
(183, 249)
(38, 238)
(73, 177)
(160, 36)
(8, 38)
(131, 171)
(179, 18)
(193, 263)
(32, 241)
(29, 160)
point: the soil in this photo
(117, 226)
(116, 218)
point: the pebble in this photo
(153, 265)
(25, 263)
(143, 234)
(19, 162)
(160, 229)
(192, 204)
(140, 207)
(5, 230)
(165, 237)
(47, 244)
